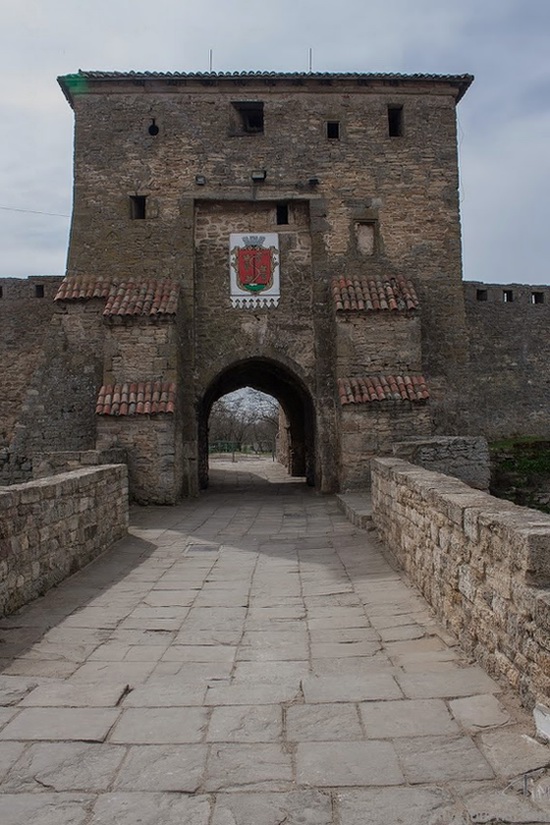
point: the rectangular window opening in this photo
(138, 207)
(1, 291)
(282, 214)
(39, 290)
(481, 295)
(333, 130)
(507, 296)
(395, 121)
(251, 117)
(537, 297)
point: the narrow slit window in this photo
(507, 296)
(39, 290)
(282, 214)
(138, 208)
(395, 121)
(251, 117)
(481, 295)
(1, 292)
(333, 129)
(537, 297)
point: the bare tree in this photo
(244, 419)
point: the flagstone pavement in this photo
(251, 658)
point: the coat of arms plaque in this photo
(254, 269)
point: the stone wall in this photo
(58, 411)
(378, 342)
(14, 468)
(54, 526)
(509, 342)
(482, 563)
(368, 430)
(466, 458)
(26, 307)
(64, 461)
(149, 443)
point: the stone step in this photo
(357, 507)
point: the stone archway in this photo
(276, 380)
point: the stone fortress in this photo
(357, 320)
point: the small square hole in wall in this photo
(537, 297)
(138, 207)
(481, 295)
(250, 117)
(395, 121)
(333, 130)
(282, 214)
(507, 296)
(39, 290)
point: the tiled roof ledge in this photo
(370, 388)
(137, 398)
(393, 293)
(129, 298)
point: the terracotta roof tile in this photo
(82, 288)
(382, 388)
(132, 297)
(357, 294)
(138, 398)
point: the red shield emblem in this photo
(254, 268)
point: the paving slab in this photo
(45, 809)
(157, 726)
(465, 681)
(477, 713)
(163, 768)
(410, 717)
(84, 724)
(323, 723)
(259, 767)
(261, 663)
(295, 808)
(9, 754)
(244, 723)
(395, 806)
(70, 695)
(351, 689)
(512, 752)
(150, 809)
(65, 766)
(440, 759)
(495, 806)
(344, 764)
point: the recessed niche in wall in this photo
(365, 237)
(481, 294)
(250, 117)
(333, 130)
(395, 121)
(282, 214)
(138, 207)
(39, 290)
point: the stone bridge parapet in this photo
(51, 527)
(482, 563)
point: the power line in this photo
(34, 212)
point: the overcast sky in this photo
(504, 119)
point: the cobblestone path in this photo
(251, 658)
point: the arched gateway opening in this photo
(278, 381)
